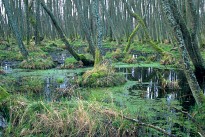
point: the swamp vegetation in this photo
(102, 68)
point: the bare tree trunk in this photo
(37, 37)
(195, 88)
(27, 22)
(15, 28)
(85, 27)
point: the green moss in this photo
(70, 61)
(60, 80)
(82, 57)
(98, 57)
(116, 55)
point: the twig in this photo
(149, 125)
(202, 132)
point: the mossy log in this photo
(131, 37)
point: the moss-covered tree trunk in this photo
(195, 88)
(130, 38)
(15, 29)
(63, 38)
(99, 50)
(190, 37)
(144, 27)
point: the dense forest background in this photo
(116, 21)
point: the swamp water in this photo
(153, 91)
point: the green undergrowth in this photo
(9, 51)
(102, 75)
(152, 111)
(64, 118)
(37, 63)
(92, 112)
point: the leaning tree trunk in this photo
(144, 27)
(63, 38)
(15, 29)
(195, 88)
(190, 39)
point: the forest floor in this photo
(48, 95)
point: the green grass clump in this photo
(37, 63)
(60, 80)
(31, 84)
(71, 63)
(10, 55)
(102, 75)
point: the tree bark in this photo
(85, 27)
(195, 88)
(95, 5)
(27, 22)
(37, 37)
(190, 39)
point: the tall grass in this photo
(65, 118)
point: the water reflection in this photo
(158, 83)
(53, 88)
(48, 88)
(6, 66)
